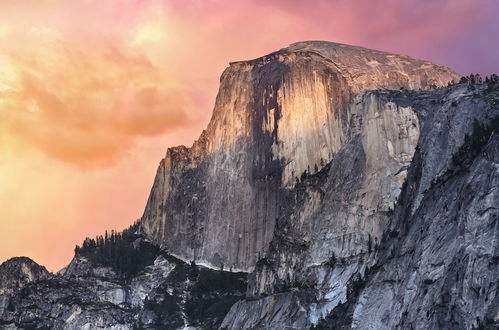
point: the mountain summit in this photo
(335, 187)
(276, 118)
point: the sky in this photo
(92, 92)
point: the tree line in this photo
(125, 251)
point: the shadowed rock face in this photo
(276, 118)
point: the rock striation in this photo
(277, 118)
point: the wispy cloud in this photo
(86, 105)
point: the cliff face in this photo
(276, 119)
(434, 265)
(441, 269)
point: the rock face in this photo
(441, 269)
(435, 264)
(335, 187)
(276, 118)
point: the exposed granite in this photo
(275, 118)
(436, 264)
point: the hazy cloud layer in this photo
(85, 105)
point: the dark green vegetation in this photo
(473, 144)
(472, 79)
(168, 314)
(341, 316)
(175, 293)
(200, 296)
(212, 295)
(125, 252)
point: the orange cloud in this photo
(86, 106)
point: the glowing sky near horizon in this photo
(92, 92)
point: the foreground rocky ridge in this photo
(166, 294)
(350, 206)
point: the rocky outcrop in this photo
(14, 274)
(19, 271)
(277, 118)
(167, 294)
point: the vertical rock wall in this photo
(276, 118)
